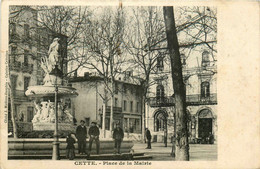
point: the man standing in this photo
(94, 136)
(81, 134)
(118, 136)
(148, 137)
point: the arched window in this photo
(205, 92)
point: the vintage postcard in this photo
(129, 84)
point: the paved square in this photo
(198, 152)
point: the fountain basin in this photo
(49, 91)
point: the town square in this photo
(112, 83)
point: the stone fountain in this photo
(44, 118)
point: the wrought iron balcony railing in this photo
(195, 99)
(161, 101)
(198, 99)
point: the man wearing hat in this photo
(81, 133)
(94, 136)
(118, 136)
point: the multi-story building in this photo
(201, 100)
(126, 104)
(27, 44)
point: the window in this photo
(137, 107)
(125, 105)
(205, 92)
(26, 82)
(26, 31)
(13, 53)
(131, 106)
(29, 114)
(159, 63)
(13, 81)
(116, 88)
(183, 60)
(116, 102)
(26, 53)
(159, 91)
(205, 59)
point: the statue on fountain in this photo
(54, 53)
(48, 64)
(44, 117)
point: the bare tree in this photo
(103, 39)
(147, 30)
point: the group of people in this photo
(81, 135)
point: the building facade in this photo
(28, 43)
(201, 100)
(126, 103)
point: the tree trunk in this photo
(111, 113)
(143, 119)
(182, 145)
(12, 110)
(104, 111)
(11, 93)
(112, 88)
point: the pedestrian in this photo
(211, 138)
(81, 133)
(148, 137)
(118, 136)
(70, 153)
(94, 136)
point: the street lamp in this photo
(56, 76)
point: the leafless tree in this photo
(147, 28)
(103, 39)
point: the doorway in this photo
(205, 127)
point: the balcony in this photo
(161, 101)
(208, 70)
(197, 99)
(27, 68)
(16, 66)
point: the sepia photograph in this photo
(112, 83)
(129, 84)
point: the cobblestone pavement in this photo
(198, 152)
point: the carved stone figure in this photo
(45, 112)
(38, 111)
(67, 116)
(51, 113)
(53, 52)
